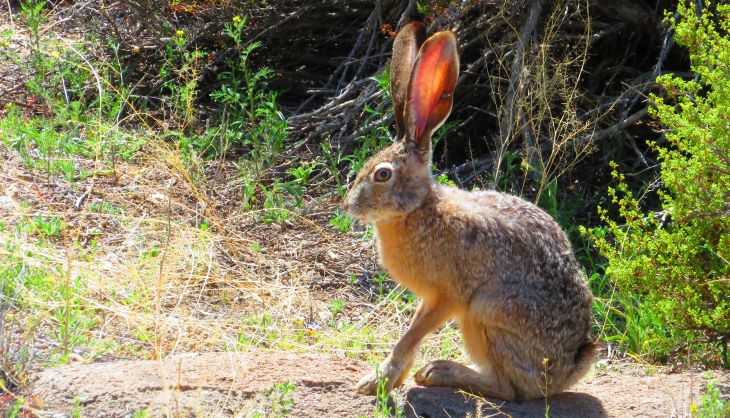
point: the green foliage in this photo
(31, 282)
(383, 407)
(280, 401)
(275, 202)
(712, 403)
(32, 11)
(336, 306)
(84, 103)
(512, 167)
(676, 262)
(333, 161)
(444, 179)
(180, 75)
(250, 116)
(46, 227)
(15, 408)
(432, 7)
(341, 221)
(625, 320)
(548, 198)
(278, 201)
(105, 207)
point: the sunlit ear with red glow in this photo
(405, 49)
(431, 89)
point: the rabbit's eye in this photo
(383, 174)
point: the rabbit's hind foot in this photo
(455, 375)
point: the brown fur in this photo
(496, 263)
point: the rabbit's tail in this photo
(584, 358)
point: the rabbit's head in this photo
(423, 77)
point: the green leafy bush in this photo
(677, 260)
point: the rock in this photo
(244, 384)
(204, 384)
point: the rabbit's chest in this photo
(402, 254)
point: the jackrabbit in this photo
(496, 263)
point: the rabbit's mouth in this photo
(354, 210)
(369, 215)
(359, 212)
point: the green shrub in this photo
(677, 260)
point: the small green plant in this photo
(276, 204)
(250, 116)
(15, 408)
(511, 167)
(255, 247)
(46, 226)
(302, 173)
(381, 282)
(352, 279)
(77, 411)
(429, 8)
(279, 201)
(444, 179)
(73, 319)
(280, 401)
(548, 198)
(148, 253)
(248, 192)
(336, 306)
(32, 11)
(333, 161)
(383, 401)
(105, 207)
(341, 221)
(712, 403)
(180, 75)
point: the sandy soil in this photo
(231, 384)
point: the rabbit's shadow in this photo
(447, 402)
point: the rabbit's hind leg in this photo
(451, 374)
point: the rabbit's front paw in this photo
(368, 385)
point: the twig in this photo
(604, 133)
(517, 84)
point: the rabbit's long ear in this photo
(431, 89)
(405, 49)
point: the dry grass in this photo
(154, 284)
(541, 113)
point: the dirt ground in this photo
(239, 384)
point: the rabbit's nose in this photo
(349, 206)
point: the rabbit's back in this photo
(504, 238)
